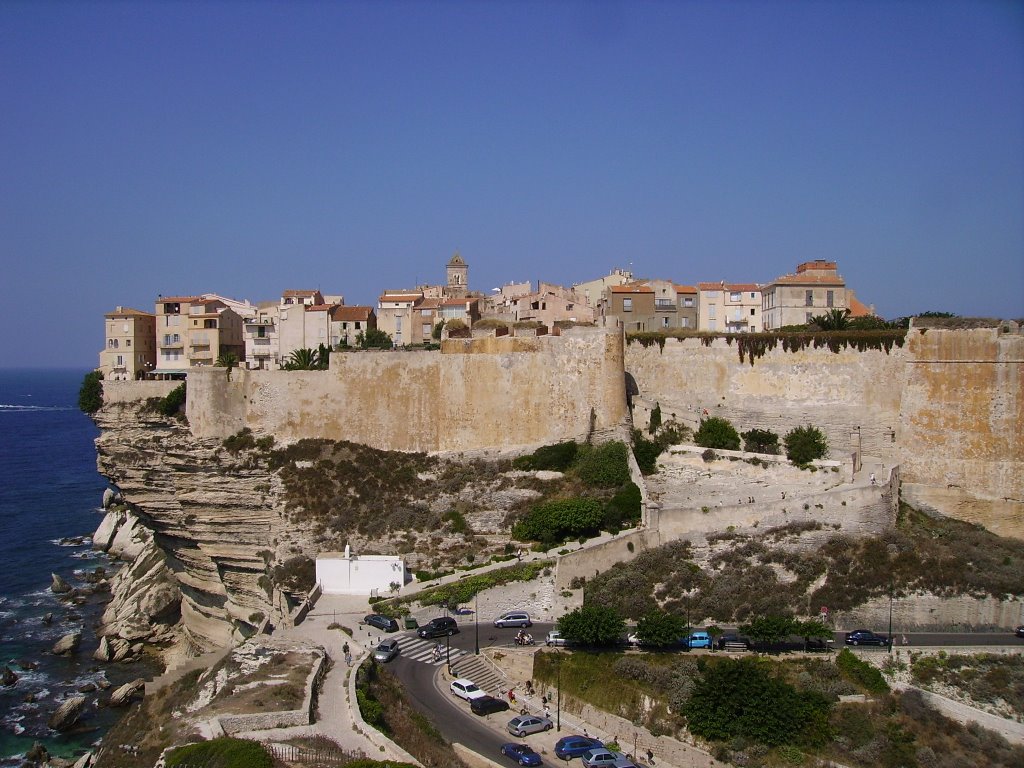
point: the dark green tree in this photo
(761, 441)
(90, 394)
(593, 625)
(623, 509)
(559, 519)
(659, 629)
(174, 402)
(323, 357)
(716, 432)
(805, 444)
(435, 334)
(655, 419)
(768, 630)
(558, 457)
(374, 338)
(603, 466)
(869, 323)
(812, 629)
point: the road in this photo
(453, 719)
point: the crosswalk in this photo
(420, 650)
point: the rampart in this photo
(475, 393)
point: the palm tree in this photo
(833, 320)
(303, 359)
(227, 360)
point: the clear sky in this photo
(245, 148)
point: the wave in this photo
(8, 407)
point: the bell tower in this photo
(458, 277)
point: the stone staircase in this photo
(482, 672)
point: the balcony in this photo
(179, 344)
(664, 305)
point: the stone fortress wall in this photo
(477, 393)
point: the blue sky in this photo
(245, 148)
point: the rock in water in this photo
(104, 652)
(37, 754)
(125, 693)
(59, 586)
(67, 714)
(108, 497)
(7, 677)
(67, 644)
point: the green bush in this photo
(170, 405)
(592, 625)
(374, 338)
(222, 753)
(560, 519)
(557, 458)
(623, 509)
(646, 453)
(90, 395)
(603, 466)
(296, 575)
(761, 441)
(655, 419)
(716, 432)
(805, 444)
(861, 673)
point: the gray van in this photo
(513, 619)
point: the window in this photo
(711, 311)
(398, 325)
(627, 305)
(357, 325)
(125, 328)
(688, 301)
(664, 304)
(736, 314)
(712, 325)
(809, 300)
(127, 342)
(735, 296)
(810, 316)
(426, 330)
(711, 294)
(112, 343)
(829, 298)
(120, 361)
(261, 332)
(751, 311)
(753, 295)
(344, 325)
(684, 322)
(664, 322)
(425, 312)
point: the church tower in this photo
(458, 277)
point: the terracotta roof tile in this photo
(317, 307)
(742, 287)
(806, 279)
(711, 286)
(341, 312)
(686, 289)
(129, 312)
(858, 308)
(401, 297)
(631, 288)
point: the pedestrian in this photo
(905, 641)
(872, 478)
(650, 756)
(348, 659)
(547, 712)
(344, 649)
(512, 695)
(519, 554)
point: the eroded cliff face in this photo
(199, 519)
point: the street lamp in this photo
(476, 615)
(558, 677)
(448, 645)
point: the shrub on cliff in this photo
(716, 432)
(624, 508)
(603, 466)
(558, 520)
(805, 444)
(222, 753)
(90, 395)
(170, 405)
(557, 458)
(761, 441)
(861, 673)
(296, 575)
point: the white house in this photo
(342, 573)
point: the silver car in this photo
(387, 650)
(513, 619)
(527, 724)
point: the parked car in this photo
(487, 705)
(523, 725)
(387, 650)
(555, 638)
(1019, 631)
(698, 640)
(379, 621)
(865, 637)
(573, 746)
(442, 625)
(513, 619)
(599, 758)
(732, 641)
(521, 753)
(466, 689)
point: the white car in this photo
(554, 638)
(466, 689)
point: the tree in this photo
(659, 629)
(559, 519)
(603, 466)
(227, 360)
(374, 338)
(812, 629)
(435, 334)
(323, 357)
(769, 630)
(761, 441)
(833, 320)
(805, 444)
(592, 625)
(655, 419)
(716, 432)
(869, 323)
(90, 394)
(302, 359)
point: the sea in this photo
(50, 504)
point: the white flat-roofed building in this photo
(344, 573)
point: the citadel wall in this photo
(476, 393)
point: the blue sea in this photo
(49, 502)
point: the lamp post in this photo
(448, 646)
(476, 615)
(892, 551)
(558, 708)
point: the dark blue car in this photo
(521, 753)
(574, 746)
